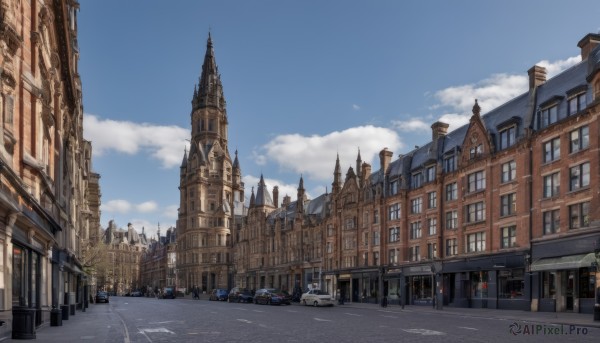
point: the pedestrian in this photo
(342, 297)
(384, 301)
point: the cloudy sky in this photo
(304, 81)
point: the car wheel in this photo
(315, 304)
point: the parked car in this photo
(102, 297)
(168, 293)
(272, 296)
(240, 295)
(317, 297)
(218, 294)
(136, 294)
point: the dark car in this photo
(168, 293)
(136, 294)
(272, 296)
(218, 294)
(102, 297)
(240, 295)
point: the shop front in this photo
(421, 284)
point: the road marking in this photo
(353, 314)
(258, 311)
(167, 322)
(321, 320)
(467, 328)
(245, 321)
(424, 332)
(153, 330)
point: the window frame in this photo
(579, 177)
(508, 171)
(551, 185)
(551, 150)
(582, 141)
(508, 237)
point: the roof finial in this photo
(476, 109)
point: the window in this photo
(365, 259)
(415, 230)
(394, 211)
(579, 176)
(476, 212)
(475, 151)
(579, 139)
(349, 223)
(393, 253)
(549, 116)
(393, 190)
(451, 191)
(511, 283)
(450, 164)
(376, 238)
(579, 215)
(431, 251)
(552, 150)
(414, 253)
(476, 242)
(330, 230)
(432, 225)
(329, 247)
(9, 104)
(509, 171)
(508, 137)
(577, 103)
(508, 204)
(376, 258)
(509, 237)
(376, 217)
(432, 200)
(451, 220)
(476, 181)
(394, 234)
(430, 174)
(415, 205)
(416, 180)
(451, 247)
(366, 239)
(549, 284)
(551, 221)
(552, 185)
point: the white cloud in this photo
(165, 143)
(116, 206)
(314, 156)
(171, 211)
(457, 102)
(355, 107)
(413, 124)
(145, 207)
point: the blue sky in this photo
(303, 80)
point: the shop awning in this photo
(564, 262)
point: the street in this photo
(182, 320)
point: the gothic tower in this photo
(210, 188)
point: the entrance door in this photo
(569, 290)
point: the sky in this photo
(304, 81)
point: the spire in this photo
(476, 109)
(252, 198)
(358, 164)
(263, 198)
(236, 163)
(301, 195)
(337, 176)
(301, 184)
(185, 158)
(210, 92)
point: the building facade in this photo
(45, 164)
(211, 190)
(158, 263)
(124, 250)
(470, 219)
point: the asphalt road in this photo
(180, 320)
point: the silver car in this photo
(317, 297)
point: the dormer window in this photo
(508, 137)
(548, 116)
(416, 180)
(430, 173)
(449, 164)
(577, 103)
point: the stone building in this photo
(211, 190)
(125, 248)
(158, 263)
(471, 218)
(45, 164)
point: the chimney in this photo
(587, 44)
(385, 156)
(366, 169)
(537, 76)
(286, 200)
(276, 196)
(438, 129)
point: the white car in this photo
(317, 297)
